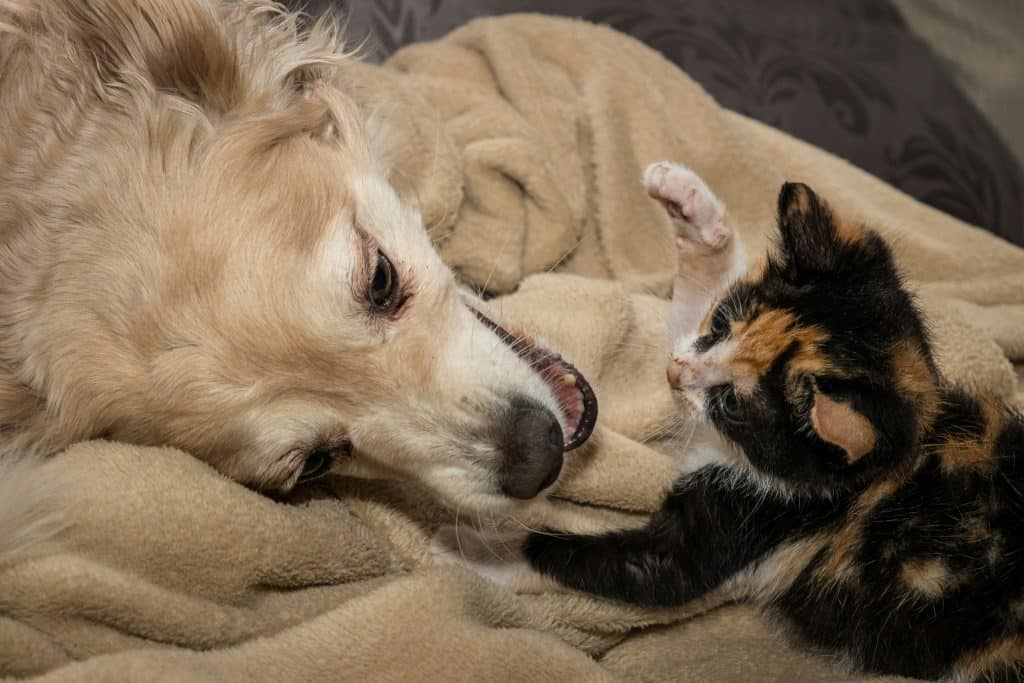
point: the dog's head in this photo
(202, 250)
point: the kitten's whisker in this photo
(537, 531)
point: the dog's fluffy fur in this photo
(190, 211)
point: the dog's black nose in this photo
(533, 451)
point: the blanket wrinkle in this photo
(522, 139)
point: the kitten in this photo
(872, 505)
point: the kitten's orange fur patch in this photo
(966, 454)
(915, 380)
(799, 203)
(1006, 652)
(839, 561)
(847, 230)
(965, 451)
(761, 340)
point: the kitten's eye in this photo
(318, 463)
(383, 285)
(719, 324)
(729, 403)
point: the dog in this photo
(200, 248)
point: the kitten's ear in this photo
(838, 423)
(809, 232)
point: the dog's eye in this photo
(318, 463)
(719, 324)
(383, 285)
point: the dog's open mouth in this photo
(574, 394)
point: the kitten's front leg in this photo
(710, 253)
(639, 566)
(706, 531)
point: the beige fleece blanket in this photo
(523, 138)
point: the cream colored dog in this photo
(199, 248)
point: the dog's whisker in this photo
(458, 540)
(497, 534)
(563, 257)
(483, 537)
(497, 260)
(434, 164)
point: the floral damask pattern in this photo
(847, 76)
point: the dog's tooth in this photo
(568, 379)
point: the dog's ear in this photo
(179, 47)
(220, 56)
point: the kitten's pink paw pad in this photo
(693, 208)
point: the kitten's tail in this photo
(30, 512)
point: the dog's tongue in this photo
(575, 396)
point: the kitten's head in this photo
(819, 367)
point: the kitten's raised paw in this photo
(695, 211)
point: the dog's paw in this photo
(695, 211)
(490, 558)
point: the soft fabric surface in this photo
(524, 139)
(848, 76)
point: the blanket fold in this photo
(522, 139)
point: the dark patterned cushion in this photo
(846, 76)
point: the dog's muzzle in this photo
(534, 441)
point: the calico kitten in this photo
(875, 507)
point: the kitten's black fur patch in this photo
(908, 558)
